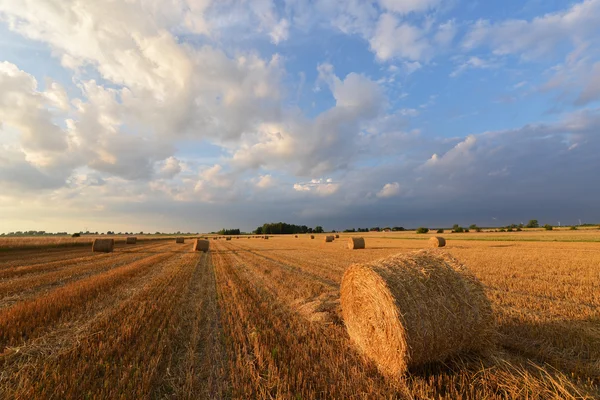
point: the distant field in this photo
(531, 235)
(257, 319)
(32, 242)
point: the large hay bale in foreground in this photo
(103, 245)
(437, 241)
(356, 243)
(411, 309)
(328, 238)
(179, 240)
(131, 240)
(201, 245)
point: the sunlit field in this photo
(256, 318)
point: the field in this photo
(261, 319)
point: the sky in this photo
(193, 115)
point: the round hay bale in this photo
(266, 237)
(201, 245)
(296, 236)
(103, 245)
(356, 243)
(131, 240)
(312, 236)
(228, 238)
(437, 241)
(328, 238)
(411, 309)
(179, 240)
(337, 236)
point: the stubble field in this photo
(260, 319)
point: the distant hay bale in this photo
(131, 240)
(266, 237)
(337, 236)
(296, 236)
(179, 240)
(329, 238)
(356, 243)
(312, 236)
(103, 245)
(437, 241)
(412, 309)
(228, 238)
(201, 245)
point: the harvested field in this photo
(262, 319)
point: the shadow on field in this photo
(501, 373)
(159, 252)
(391, 248)
(250, 250)
(571, 346)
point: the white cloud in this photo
(301, 187)
(591, 86)
(473, 62)
(396, 39)
(540, 36)
(280, 31)
(23, 107)
(157, 90)
(355, 91)
(459, 155)
(215, 184)
(265, 182)
(170, 167)
(319, 146)
(389, 190)
(407, 6)
(445, 33)
(321, 187)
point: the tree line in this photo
(229, 231)
(282, 228)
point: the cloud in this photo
(383, 24)
(407, 6)
(389, 190)
(170, 168)
(265, 182)
(216, 184)
(321, 187)
(445, 33)
(18, 175)
(459, 155)
(395, 39)
(539, 37)
(280, 31)
(591, 86)
(149, 89)
(473, 62)
(324, 144)
(23, 107)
